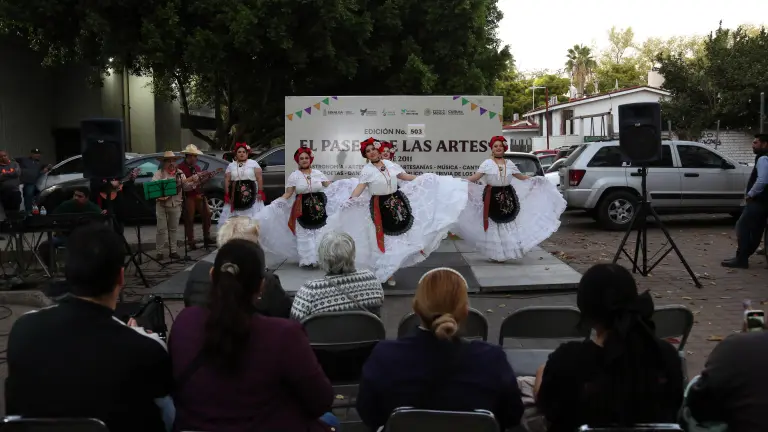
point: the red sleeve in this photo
(304, 374)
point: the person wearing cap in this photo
(31, 169)
(196, 201)
(168, 208)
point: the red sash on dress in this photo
(296, 213)
(377, 223)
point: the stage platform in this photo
(538, 271)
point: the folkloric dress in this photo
(396, 227)
(291, 229)
(244, 199)
(507, 217)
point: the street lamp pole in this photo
(533, 89)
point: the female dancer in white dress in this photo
(513, 213)
(292, 225)
(242, 186)
(397, 227)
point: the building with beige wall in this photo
(41, 107)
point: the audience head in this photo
(81, 195)
(760, 143)
(336, 253)
(441, 301)
(238, 227)
(237, 278)
(95, 261)
(633, 364)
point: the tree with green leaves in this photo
(516, 89)
(242, 57)
(723, 84)
(581, 64)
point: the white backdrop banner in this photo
(445, 135)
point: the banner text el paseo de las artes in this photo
(445, 135)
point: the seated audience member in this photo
(10, 185)
(261, 370)
(273, 302)
(75, 359)
(434, 369)
(78, 204)
(343, 287)
(732, 386)
(626, 375)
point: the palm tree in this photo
(580, 65)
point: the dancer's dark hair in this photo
(237, 277)
(630, 386)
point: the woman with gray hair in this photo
(343, 287)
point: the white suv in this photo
(689, 178)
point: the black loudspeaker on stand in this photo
(640, 140)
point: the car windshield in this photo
(526, 165)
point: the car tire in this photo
(216, 205)
(616, 210)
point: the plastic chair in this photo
(543, 322)
(21, 424)
(673, 321)
(408, 419)
(342, 342)
(474, 327)
(650, 427)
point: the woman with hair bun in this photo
(393, 226)
(433, 368)
(292, 225)
(262, 370)
(512, 213)
(625, 375)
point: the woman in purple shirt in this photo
(236, 370)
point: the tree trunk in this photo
(185, 108)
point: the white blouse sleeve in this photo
(255, 165)
(291, 182)
(488, 167)
(394, 169)
(368, 174)
(321, 176)
(231, 168)
(512, 168)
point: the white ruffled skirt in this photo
(227, 212)
(276, 238)
(436, 203)
(541, 205)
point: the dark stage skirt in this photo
(391, 214)
(309, 211)
(500, 204)
(243, 194)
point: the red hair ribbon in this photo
(499, 138)
(243, 145)
(306, 150)
(370, 141)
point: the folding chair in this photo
(672, 322)
(474, 327)
(650, 427)
(21, 424)
(543, 322)
(408, 419)
(342, 342)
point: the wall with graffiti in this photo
(734, 144)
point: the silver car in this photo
(66, 170)
(689, 178)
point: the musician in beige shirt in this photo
(168, 208)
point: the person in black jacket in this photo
(751, 224)
(75, 360)
(274, 301)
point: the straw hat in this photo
(192, 149)
(169, 155)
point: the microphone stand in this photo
(183, 209)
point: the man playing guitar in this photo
(195, 198)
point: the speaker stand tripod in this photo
(639, 223)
